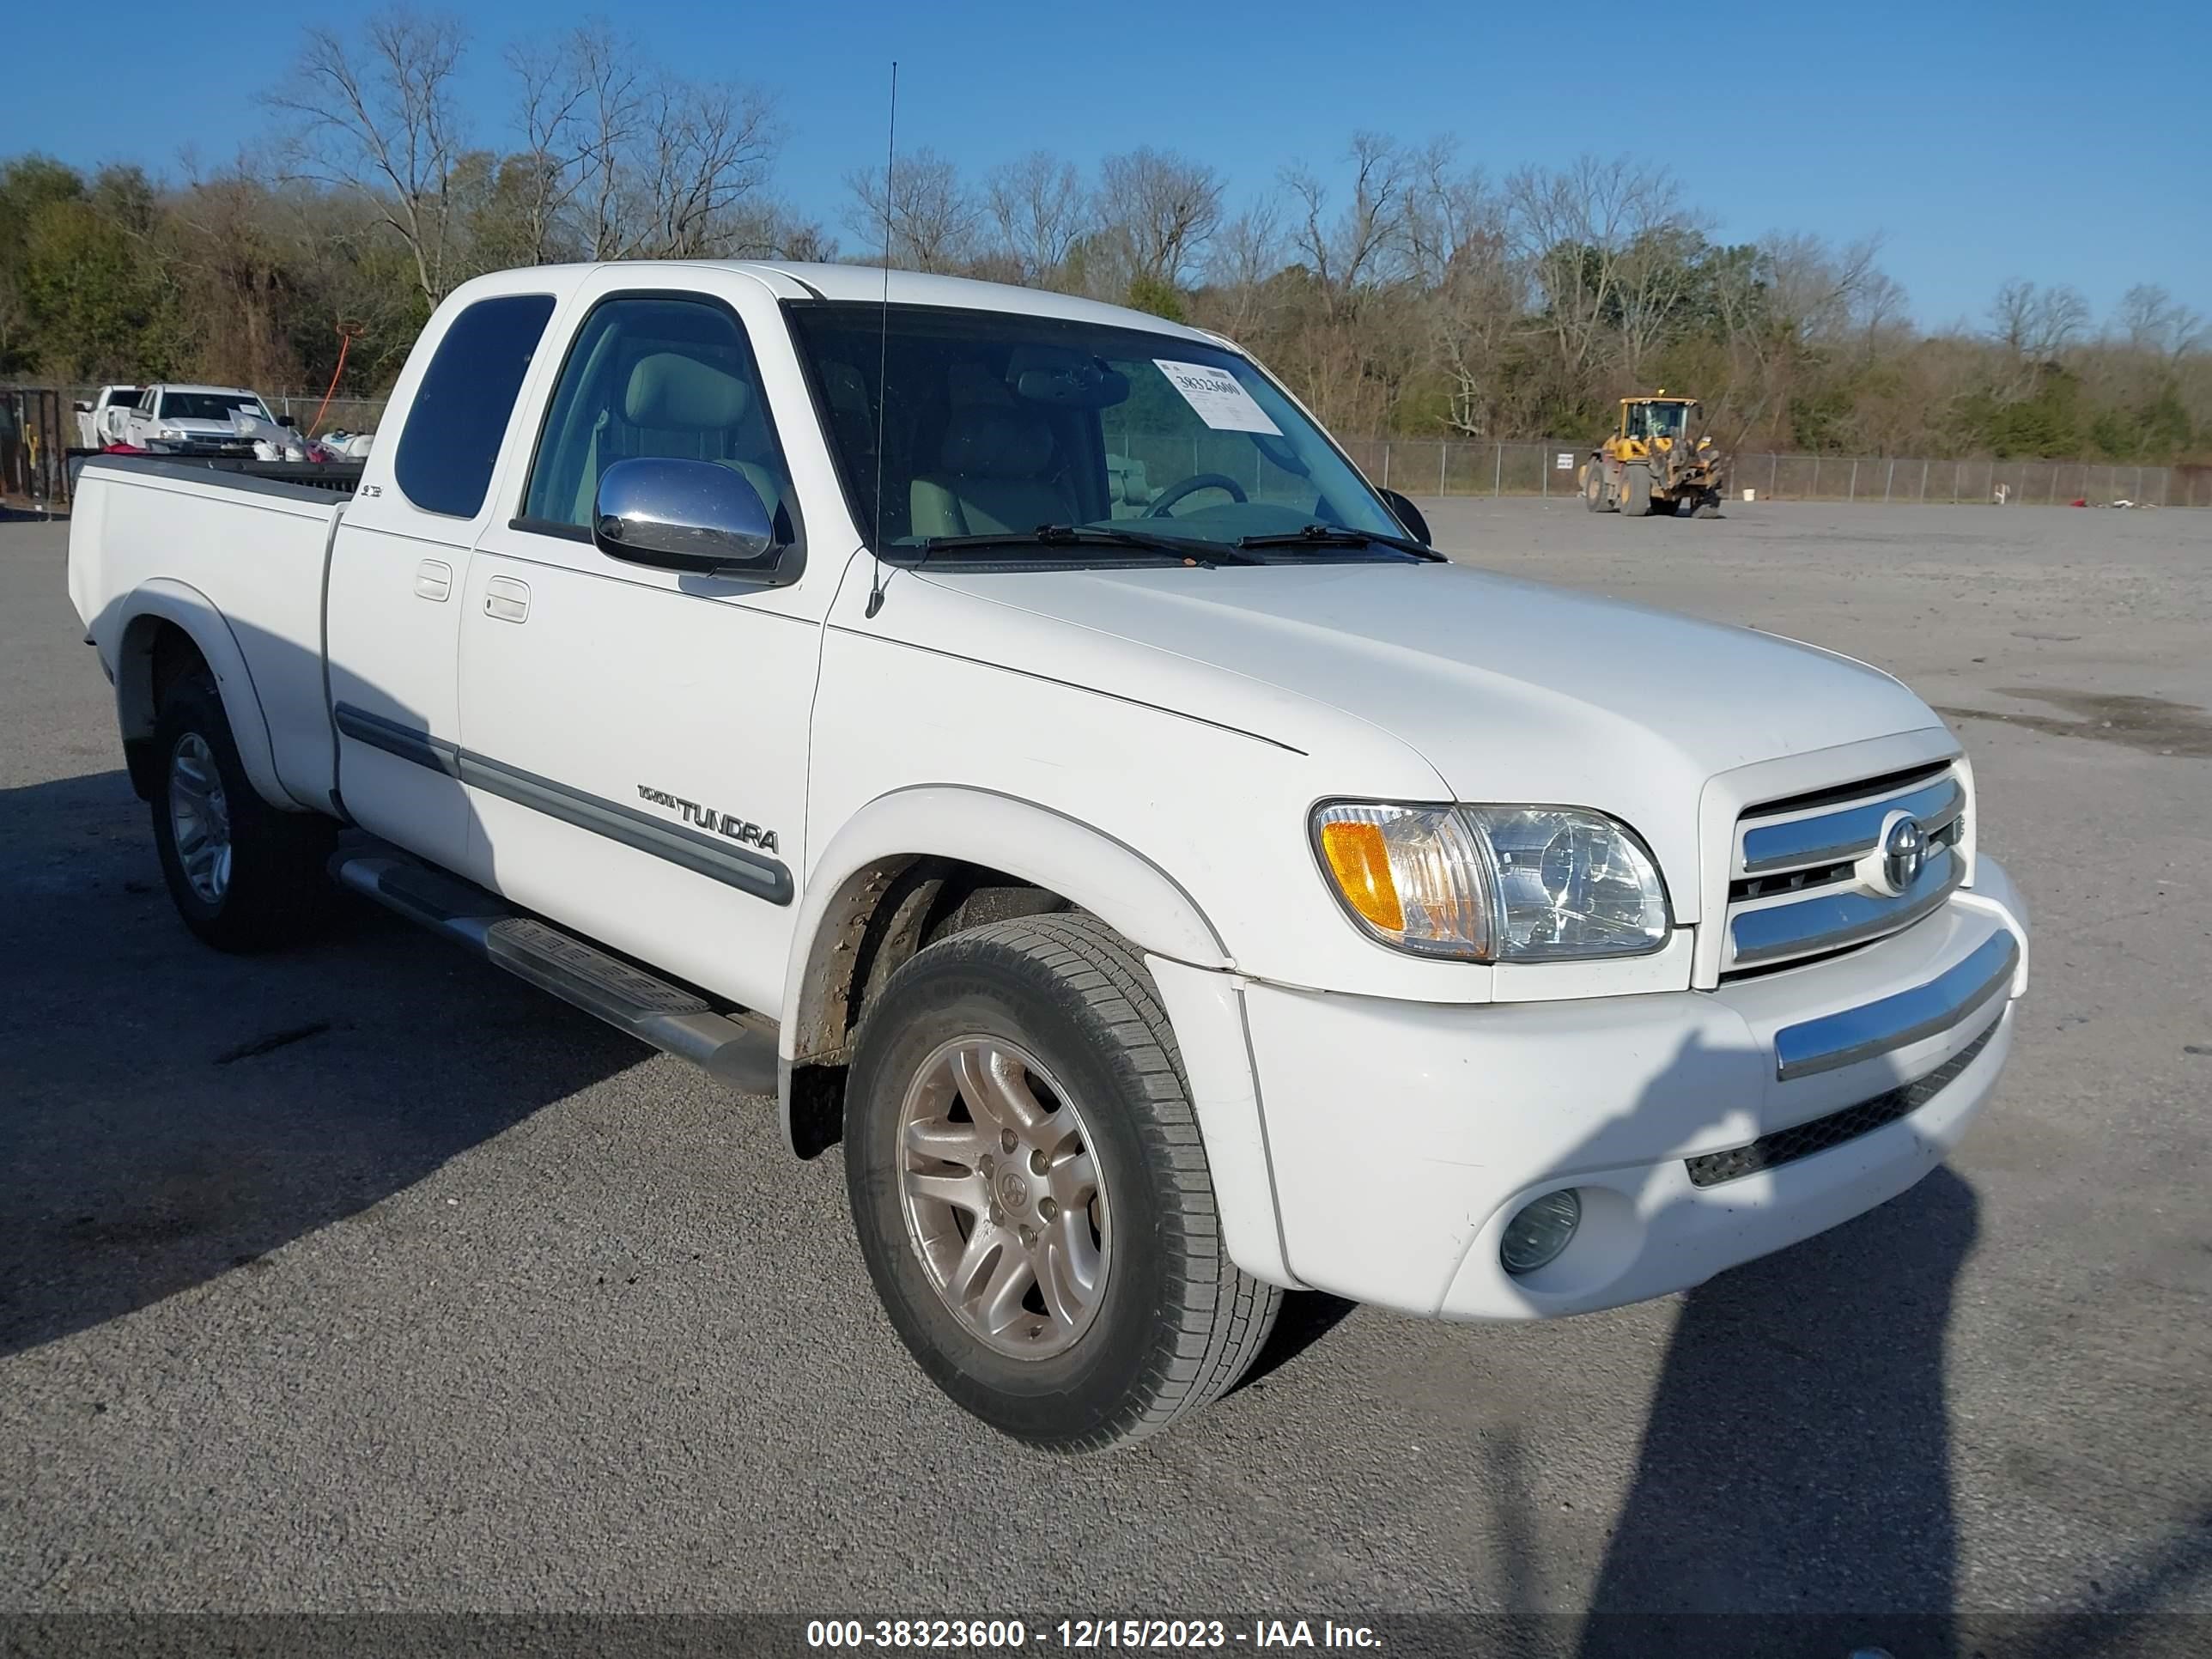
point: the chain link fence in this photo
(1545, 467)
(1432, 466)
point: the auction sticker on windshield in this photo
(1221, 403)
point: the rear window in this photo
(450, 441)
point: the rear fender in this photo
(143, 612)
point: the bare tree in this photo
(2037, 325)
(704, 150)
(1460, 253)
(549, 94)
(1158, 211)
(1245, 256)
(929, 214)
(383, 121)
(1580, 230)
(2151, 320)
(1354, 249)
(1039, 205)
(582, 107)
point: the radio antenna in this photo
(883, 353)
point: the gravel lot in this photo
(365, 1277)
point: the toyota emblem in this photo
(1903, 850)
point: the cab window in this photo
(459, 413)
(652, 375)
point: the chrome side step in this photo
(733, 1046)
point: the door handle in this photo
(507, 599)
(433, 581)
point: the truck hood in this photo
(195, 429)
(1511, 690)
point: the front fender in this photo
(1108, 877)
(136, 619)
(1189, 962)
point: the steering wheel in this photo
(1190, 486)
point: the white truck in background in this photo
(101, 420)
(171, 416)
(1169, 896)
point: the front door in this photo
(637, 737)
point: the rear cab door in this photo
(636, 738)
(399, 560)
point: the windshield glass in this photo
(999, 423)
(208, 405)
(1658, 420)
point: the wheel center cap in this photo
(1013, 1191)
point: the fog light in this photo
(1535, 1237)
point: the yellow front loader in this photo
(1660, 461)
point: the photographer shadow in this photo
(1796, 1457)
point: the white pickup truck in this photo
(102, 421)
(185, 416)
(1168, 898)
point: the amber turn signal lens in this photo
(1360, 861)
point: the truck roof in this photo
(794, 280)
(189, 385)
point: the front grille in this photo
(1795, 881)
(1805, 879)
(1788, 1145)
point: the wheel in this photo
(244, 876)
(1594, 488)
(1636, 492)
(1030, 1191)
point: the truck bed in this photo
(324, 480)
(235, 548)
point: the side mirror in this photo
(1410, 516)
(682, 515)
(285, 419)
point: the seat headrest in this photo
(985, 440)
(674, 392)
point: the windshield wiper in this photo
(1091, 535)
(1335, 535)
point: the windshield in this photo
(999, 423)
(1658, 420)
(208, 405)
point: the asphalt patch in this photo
(2152, 725)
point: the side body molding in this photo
(166, 599)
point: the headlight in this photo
(169, 432)
(1493, 883)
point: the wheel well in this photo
(880, 918)
(156, 653)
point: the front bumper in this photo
(1403, 1136)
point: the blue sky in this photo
(2060, 143)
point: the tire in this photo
(1636, 492)
(1171, 1323)
(1594, 488)
(244, 876)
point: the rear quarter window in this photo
(450, 441)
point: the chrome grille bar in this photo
(1830, 919)
(1850, 833)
